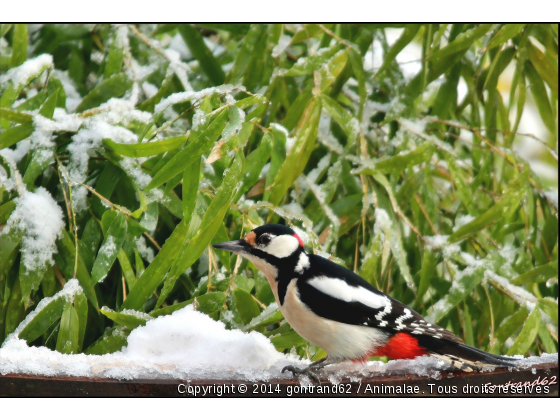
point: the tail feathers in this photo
(463, 356)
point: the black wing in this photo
(393, 316)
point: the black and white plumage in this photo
(335, 309)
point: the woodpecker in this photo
(337, 310)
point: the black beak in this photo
(233, 246)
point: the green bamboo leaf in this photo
(45, 318)
(81, 306)
(65, 258)
(127, 319)
(47, 109)
(4, 28)
(463, 41)
(544, 66)
(245, 52)
(405, 39)
(112, 340)
(266, 318)
(309, 64)
(538, 274)
(212, 218)
(151, 278)
(427, 272)
(287, 340)
(105, 185)
(14, 312)
(463, 190)
(510, 200)
(69, 331)
(113, 87)
(6, 210)
(328, 73)
(127, 270)
(16, 116)
(9, 248)
(201, 142)
(19, 45)
(255, 162)
(540, 95)
(202, 54)
(499, 64)
(91, 235)
(110, 248)
(460, 289)
(146, 149)
(505, 33)
(399, 163)
(343, 117)
(40, 160)
(527, 334)
(113, 63)
(296, 160)
(246, 305)
(191, 178)
(550, 307)
(469, 337)
(393, 232)
(234, 28)
(29, 281)
(357, 64)
(15, 134)
(446, 99)
(511, 324)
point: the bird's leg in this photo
(309, 371)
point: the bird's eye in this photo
(265, 240)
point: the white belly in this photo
(339, 340)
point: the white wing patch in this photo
(341, 290)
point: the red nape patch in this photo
(295, 235)
(399, 346)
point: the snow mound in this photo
(186, 344)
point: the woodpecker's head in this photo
(269, 247)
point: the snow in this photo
(186, 344)
(40, 218)
(187, 96)
(461, 221)
(144, 250)
(28, 70)
(519, 294)
(190, 345)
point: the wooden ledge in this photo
(537, 380)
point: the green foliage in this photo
(154, 151)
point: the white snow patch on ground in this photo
(187, 344)
(190, 345)
(40, 218)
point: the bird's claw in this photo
(298, 371)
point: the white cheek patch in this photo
(340, 290)
(282, 246)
